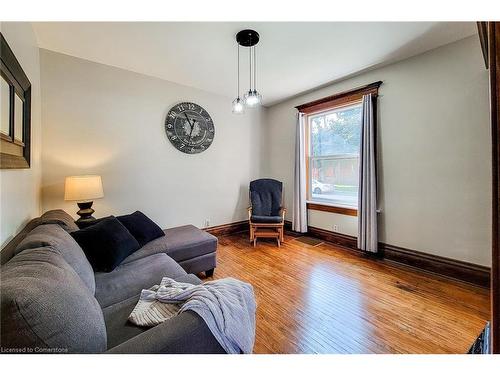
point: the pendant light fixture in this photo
(238, 107)
(252, 98)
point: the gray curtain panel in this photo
(367, 195)
(299, 221)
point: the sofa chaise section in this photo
(195, 250)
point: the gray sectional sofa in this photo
(53, 302)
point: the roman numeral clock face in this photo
(189, 128)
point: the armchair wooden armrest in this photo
(283, 212)
(249, 209)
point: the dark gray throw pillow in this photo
(86, 224)
(142, 227)
(106, 244)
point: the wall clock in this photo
(189, 128)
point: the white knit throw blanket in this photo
(149, 311)
(227, 306)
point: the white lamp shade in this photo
(83, 188)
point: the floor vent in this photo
(405, 287)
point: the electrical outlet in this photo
(335, 228)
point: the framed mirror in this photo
(18, 119)
(4, 107)
(15, 111)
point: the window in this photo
(333, 155)
(333, 136)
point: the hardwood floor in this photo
(325, 299)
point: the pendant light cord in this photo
(238, 95)
(254, 68)
(250, 62)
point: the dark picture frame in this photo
(15, 152)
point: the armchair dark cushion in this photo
(265, 196)
(266, 219)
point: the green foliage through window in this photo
(337, 132)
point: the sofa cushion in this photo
(118, 328)
(186, 333)
(129, 279)
(59, 217)
(157, 246)
(106, 244)
(61, 241)
(188, 242)
(142, 227)
(180, 243)
(199, 264)
(9, 250)
(46, 305)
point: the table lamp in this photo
(83, 190)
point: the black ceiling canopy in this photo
(247, 38)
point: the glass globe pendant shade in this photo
(238, 107)
(258, 97)
(251, 99)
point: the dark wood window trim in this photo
(339, 99)
(331, 208)
(331, 102)
(14, 153)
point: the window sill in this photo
(343, 210)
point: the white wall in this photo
(434, 153)
(20, 188)
(103, 120)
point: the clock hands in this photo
(190, 134)
(191, 125)
(189, 122)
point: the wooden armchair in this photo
(266, 215)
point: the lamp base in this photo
(85, 212)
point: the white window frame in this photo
(310, 159)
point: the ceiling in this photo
(292, 57)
